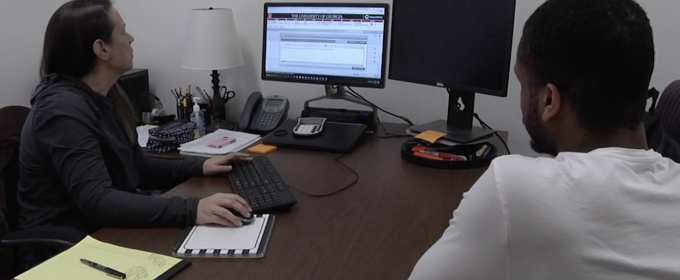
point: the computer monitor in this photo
(331, 44)
(464, 46)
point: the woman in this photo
(79, 162)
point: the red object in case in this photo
(219, 143)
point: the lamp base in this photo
(217, 101)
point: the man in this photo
(606, 207)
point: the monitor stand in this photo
(458, 125)
(339, 93)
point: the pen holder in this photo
(187, 111)
(436, 155)
(183, 112)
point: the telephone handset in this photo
(262, 115)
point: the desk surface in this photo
(377, 229)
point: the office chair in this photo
(668, 110)
(13, 118)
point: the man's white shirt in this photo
(612, 213)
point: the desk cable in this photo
(356, 179)
(481, 122)
(357, 95)
(389, 134)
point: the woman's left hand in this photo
(220, 164)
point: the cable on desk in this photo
(390, 135)
(481, 122)
(357, 95)
(356, 179)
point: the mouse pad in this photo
(335, 137)
(215, 241)
(226, 238)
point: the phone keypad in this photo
(268, 119)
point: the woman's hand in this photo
(215, 210)
(220, 164)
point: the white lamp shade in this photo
(211, 42)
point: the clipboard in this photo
(215, 241)
(136, 264)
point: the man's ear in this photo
(100, 49)
(551, 101)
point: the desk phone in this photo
(309, 126)
(262, 115)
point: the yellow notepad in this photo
(135, 264)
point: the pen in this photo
(486, 153)
(205, 96)
(482, 150)
(419, 154)
(445, 155)
(433, 149)
(109, 271)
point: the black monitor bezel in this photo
(458, 87)
(383, 76)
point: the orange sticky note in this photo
(261, 149)
(430, 136)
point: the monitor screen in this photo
(458, 44)
(334, 44)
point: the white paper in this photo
(215, 237)
(200, 145)
(143, 134)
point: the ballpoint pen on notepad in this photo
(109, 271)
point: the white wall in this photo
(159, 27)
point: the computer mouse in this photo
(244, 220)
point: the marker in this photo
(431, 157)
(445, 156)
(481, 152)
(109, 271)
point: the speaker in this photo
(135, 82)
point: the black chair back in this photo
(668, 110)
(12, 120)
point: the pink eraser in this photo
(219, 143)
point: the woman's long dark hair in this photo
(67, 49)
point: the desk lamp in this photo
(212, 44)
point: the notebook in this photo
(200, 147)
(136, 264)
(215, 241)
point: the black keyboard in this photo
(261, 185)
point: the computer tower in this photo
(135, 82)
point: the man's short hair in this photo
(598, 53)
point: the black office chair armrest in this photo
(43, 236)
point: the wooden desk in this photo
(377, 229)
